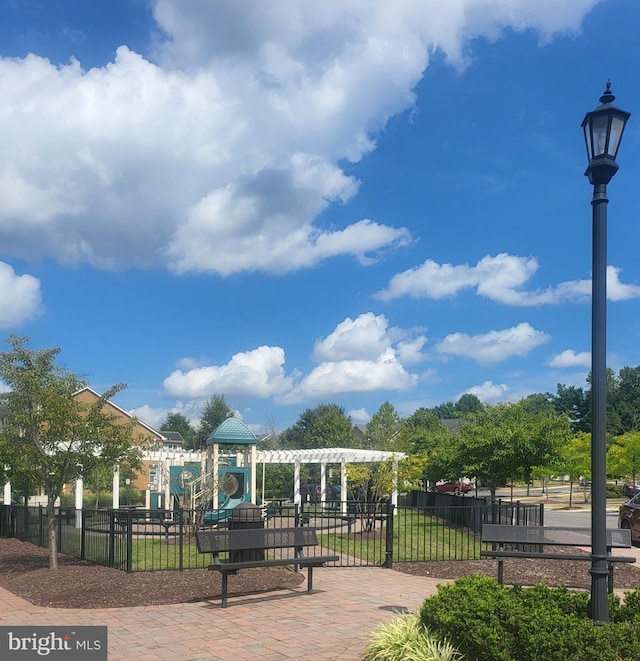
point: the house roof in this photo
(151, 430)
(173, 436)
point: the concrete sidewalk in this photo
(333, 622)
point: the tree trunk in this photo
(53, 533)
(570, 493)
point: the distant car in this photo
(311, 493)
(333, 492)
(452, 486)
(630, 489)
(629, 517)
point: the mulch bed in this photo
(24, 571)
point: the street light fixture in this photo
(603, 128)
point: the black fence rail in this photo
(360, 533)
(447, 527)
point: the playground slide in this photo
(224, 511)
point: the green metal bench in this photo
(529, 542)
(246, 549)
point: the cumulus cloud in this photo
(500, 278)
(489, 391)
(571, 358)
(359, 416)
(351, 376)
(257, 373)
(218, 151)
(495, 346)
(20, 297)
(360, 355)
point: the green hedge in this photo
(490, 622)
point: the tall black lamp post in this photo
(603, 128)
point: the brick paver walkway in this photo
(332, 622)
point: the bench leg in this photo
(224, 589)
(309, 578)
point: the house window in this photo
(153, 474)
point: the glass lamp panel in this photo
(599, 125)
(617, 126)
(587, 137)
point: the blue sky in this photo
(294, 203)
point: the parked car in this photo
(311, 493)
(630, 489)
(629, 517)
(453, 486)
(333, 492)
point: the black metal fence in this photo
(430, 528)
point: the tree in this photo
(48, 437)
(383, 428)
(180, 423)
(466, 404)
(573, 402)
(507, 441)
(373, 483)
(326, 426)
(215, 412)
(574, 460)
(422, 431)
(623, 455)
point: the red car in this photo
(452, 486)
(629, 517)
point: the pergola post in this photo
(116, 487)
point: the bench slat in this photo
(219, 541)
(498, 553)
(503, 534)
(315, 561)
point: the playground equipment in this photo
(227, 478)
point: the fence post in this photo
(59, 525)
(83, 529)
(129, 541)
(389, 537)
(40, 527)
(180, 539)
(112, 537)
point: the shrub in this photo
(614, 490)
(404, 639)
(490, 622)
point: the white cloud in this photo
(364, 338)
(221, 153)
(570, 358)
(351, 376)
(152, 416)
(359, 416)
(498, 278)
(359, 355)
(489, 391)
(20, 297)
(257, 373)
(495, 346)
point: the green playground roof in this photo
(232, 432)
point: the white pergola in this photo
(324, 456)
